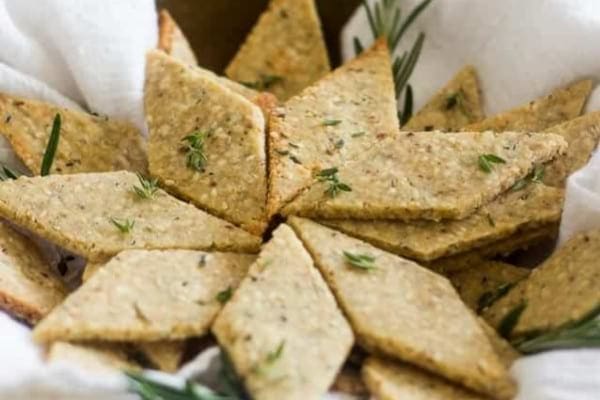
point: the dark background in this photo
(216, 28)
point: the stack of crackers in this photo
(284, 210)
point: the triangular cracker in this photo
(457, 104)
(147, 296)
(483, 282)
(172, 40)
(562, 290)
(582, 135)
(388, 380)
(429, 325)
(504, 350)
(427, 175)
(81, 212)
(231, 181)
(88, 143)
(165, 355)
(29, 289)
(94, 357)
(334, 120)
(534, 206)
(559, 106)
(285, 51)
(282, 329)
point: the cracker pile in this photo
(283, 210)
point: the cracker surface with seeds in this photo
(455, 105)
(172, 40)
(78, 212)
(144, 295)
(404, 311)
(88, 143)
(282, 329)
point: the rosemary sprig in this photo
(125, 226)
(148, 187)
(385, 19)
(225, 295)
(489, 298)
(582, 333)
(51, 146)
(150, 389)
(511, 319)
(487, 161)
(265, 82)
(194, 148)
(330, 176)
(362, 261)
(7, 173)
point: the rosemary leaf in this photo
(124, 226)
(194, 148)
(358, 47)
(489, 298)
(362, 261)
(225, 295)
(7, 173)
(331, 122)
(408, 106)
(410, 64)
(510, 320)
(486, 162)
(51, 147)
(330, 176)
(408, 22)
(148, 187)
(150, 389)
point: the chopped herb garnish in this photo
(535, 176)
(224, 295)
(270, 359)
(489, 298)
(194, 148)
(487, 161)
(510, 320)
(295, 159)
(282, 152)
(148, 187)
(491, 220)
(331, 122)
(264, 82)
(51, 147)
(330, 176)
(150, 389)
(125, 226)
(358, 134)
(362, 261)
(339, 144)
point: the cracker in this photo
(29, 289)
(172, 40)
(233, 181)
(405, 311)
(282, 329)
(95, 357)
(478, 283)
(388, 380)
(427, 175)
(562, 105)
(582, 135)
(349, 381)
(455, 105)
(166, 355)
(145, 295)
(511, 212)
(563, 289)
(330, 122)
(88, 143)
(286, 43)
(506, 353)
(75, 212)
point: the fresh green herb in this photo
(270, 359)
(535, 176)
(282, 152)
(358, 134)
(331, 122)
(7, 173)
(194, 148)
(406, 114)
(265, 82)
(489, 298)
(339, 144)
(125, 226)
(510, 320)
(487, 161)
(150, 389)
(229, 382)
(582, 333)
(330, 176)
(148, 187)
(51, 147)
(225, 295)
(362, 261)
(491, 220)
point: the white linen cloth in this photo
(90, 54)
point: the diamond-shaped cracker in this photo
(229, 179)
(96, 357)
(388, 380)
(29, 289)
(404, 311)
(457, 104)
(285, 51)
(532, 207)
(330, 122)
(142, 295)
(172, 40)
(562, 290)
(582, 135)
(427, 175)
(282, 329)
(559, 106)
(88, 143)
(80, 213)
